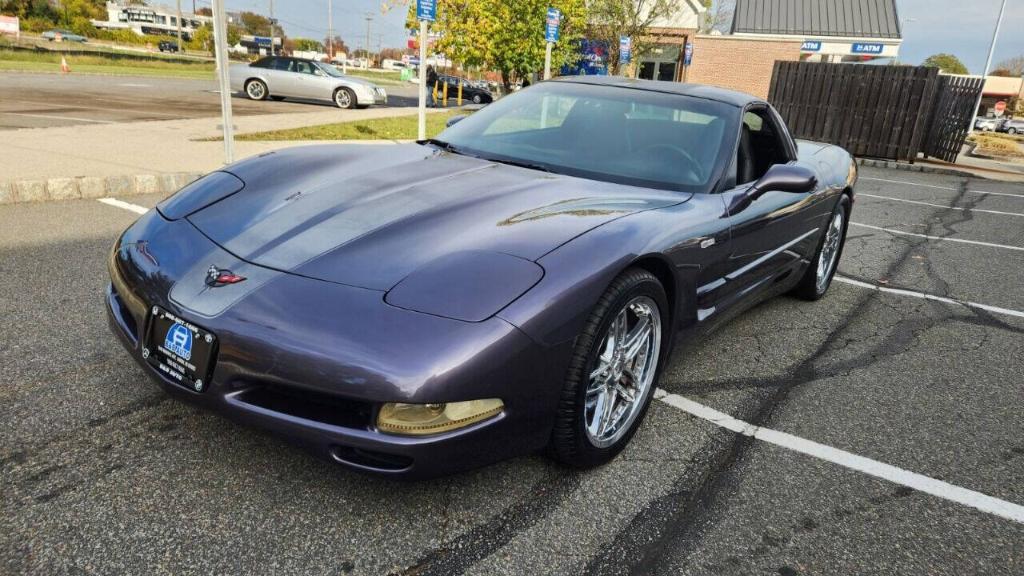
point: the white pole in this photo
(181, 48)
(330, 32)
(220, 42)
(547, 61)
(988, 63)
(423, 81)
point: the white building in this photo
(159, 20)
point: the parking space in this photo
(48, 100)
(106, 474)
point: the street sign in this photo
(554, 21)
(688, 54)
(426, 10)
(625, 49)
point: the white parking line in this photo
(919, 482)
(124, 205)
(927, 296)
(860, 194)
(937, 238)
(941, 187)
(55, 117)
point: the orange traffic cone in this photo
(64, 68)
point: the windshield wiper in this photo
(446, 146)
(522, 164)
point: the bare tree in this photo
(1015, 65)
(718, 16)
(611, 19)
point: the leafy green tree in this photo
(611, 19)
(948, 63)
(307, 45)
(504, 35)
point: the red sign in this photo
(1000, 106)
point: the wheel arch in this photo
(662, 270)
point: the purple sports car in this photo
(514, 284)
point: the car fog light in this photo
(418, 419)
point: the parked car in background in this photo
(64, 35)
(986, 124)
(389, 64)
(470, 90)
(280, 77)
(1013, 126)
(168, 46)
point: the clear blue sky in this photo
(961, 27)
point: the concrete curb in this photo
(893, 165)
(91, 187)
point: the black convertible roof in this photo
(696, 90)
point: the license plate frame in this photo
(179, 350)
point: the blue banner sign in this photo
(811, 46)
(426, 10)
(625, 49)
(867, 48)
(261, 40)
(554, 21)
(688, 54)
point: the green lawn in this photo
(50, 62)
(393, 128)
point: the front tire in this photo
(1012, 131)
(613, 371)
(256, 90)
(818, 276)
(477, 99)
(345, 98)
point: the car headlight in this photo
(421, 419)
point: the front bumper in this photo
(372, 96)
(313, 361)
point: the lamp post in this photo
(220, 43)
(988, 63)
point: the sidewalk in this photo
(154, 147)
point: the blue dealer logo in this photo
(179, 341)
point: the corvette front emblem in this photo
(216, 277)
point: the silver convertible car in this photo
(280, 77)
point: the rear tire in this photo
(477, 99)
(256, 90)
(614, 369)
(345, 98)
(818, 276)
(1012, 131)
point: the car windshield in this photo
(330, 70)
(608, 133)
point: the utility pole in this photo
(988, 63)
(271, 27)
(220, 43)
(369, 19)
(180, 47)
(330, 31)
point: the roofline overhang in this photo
(842, 39)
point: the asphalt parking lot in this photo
(48, 100)
(911, 368)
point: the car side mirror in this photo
(455, 120)
(778, 178)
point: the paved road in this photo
(102, 473)
(46, 100)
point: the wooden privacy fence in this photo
(889, 112)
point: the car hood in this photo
(356, 80)
(367, 216)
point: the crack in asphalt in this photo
(681, 516)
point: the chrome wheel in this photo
(343, 99)
(623, 371)
(256, 90)
(830, 251)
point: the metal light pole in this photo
(988, 63)
(423, 82)
(369, 19)
(330, 32)
(180, 49)
(220, 43)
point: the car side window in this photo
(761, 145)
(282, 64)
(261, 63)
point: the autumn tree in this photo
(504, 35)
(611, 19)
(948, 63)
(1013, 66)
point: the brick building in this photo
(739, 63)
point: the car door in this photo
(774, 234)
(287, 81)
(305, 79)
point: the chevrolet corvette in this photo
(517, 283)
